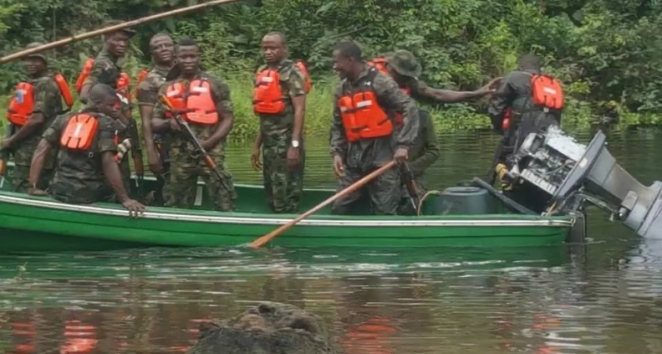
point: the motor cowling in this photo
(568, 171)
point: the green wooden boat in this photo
(35, 224)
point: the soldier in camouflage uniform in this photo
(47, 105)
(354, 160)
(406, 70)
(106, 71)
(162, 47)
(186, 165)
(79, 177)
(280, 135)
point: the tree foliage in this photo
(606, 52)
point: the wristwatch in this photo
(295, 143)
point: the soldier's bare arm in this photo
(338, 140)
(49, 139)
(450, 96)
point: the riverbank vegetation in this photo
(605, 52)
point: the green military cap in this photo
(36, 55)
(128, 31)
(404, 63)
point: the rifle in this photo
(4, 155)
(410, 183)
(186, 129)
(137, 154)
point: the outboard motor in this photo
(572, 173)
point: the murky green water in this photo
(430, 301)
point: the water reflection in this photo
(537, 300)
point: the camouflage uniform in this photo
(282, 185)
(106, 71)
(186, 166)
(515, 93)
(422, 155)
(147, 95)
(48, 101)
(79, 177)
(364, 156)
(426, 149)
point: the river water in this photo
(606, 300)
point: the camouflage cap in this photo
(128, 31)
(36, 55)
(404, 63)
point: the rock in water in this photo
(267, 328)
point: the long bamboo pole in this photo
(101, 31)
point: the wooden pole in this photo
(140, 21)
(358, 184)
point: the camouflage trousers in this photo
(184, 172)
(20, 177)
(383, 193)
(283, 186)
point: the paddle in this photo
(352, 188)
(98, 32)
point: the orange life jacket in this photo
(300, 64)
(141, 76)
(267, 95)
(122, 83)
(361, 114)
(380, 64)
(547, 92)
(22, 104)
(79, 132)
(196, 103)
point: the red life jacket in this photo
(361, 114)
(22, 104)
(79, 133)
(267, 95)
(380, 64)
(547, 92)
(122, 83)
(141, 76)
(304, 70)
(195, 103)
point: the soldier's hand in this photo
(338, 166)
(255, 159)
(401, 155)
(293, 157)
(173, 125)
(133, 207)
(154, 161)
(491, 86)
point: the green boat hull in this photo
(41, 224)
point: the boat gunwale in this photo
(326, 220)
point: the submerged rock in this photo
(267, 328)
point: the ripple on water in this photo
(401, 301)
